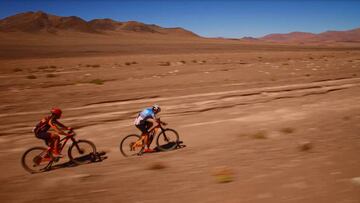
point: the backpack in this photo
(42, 125)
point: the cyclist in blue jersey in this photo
(145, 122)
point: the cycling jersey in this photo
(144, 115)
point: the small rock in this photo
(305, 146)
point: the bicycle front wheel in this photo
(131, 145)
(167, 140)
(36, 160)
(82, 151)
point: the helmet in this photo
(56, 111)
(156, 108)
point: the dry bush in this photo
(50, 75)
(287, 130)
(128, 63)
(157, 166)
(97, 81)
(305, 146)
(223, 174)
(93, 65)
(17, 70)
(167, 63)
(259, 135)
(47, 67)
(134, 62)
(31, 77)
(42, 67)
(307, 75)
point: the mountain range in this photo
(41, 22)
(328, 36)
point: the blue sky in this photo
(210, 18)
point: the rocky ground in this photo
(259, 124)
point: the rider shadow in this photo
(88, 159)
(170, 145)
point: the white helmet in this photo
(156, 108)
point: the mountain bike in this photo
(40, 159)
(167, 139)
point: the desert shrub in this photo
(97, 81)
(42, 67)
(50, 75)
(31, 77)
(167, 63)
(134, 62)
(223, 175)
(157, 166)
(305, 146)
(93, 65)
(307, 75)
(17, 70)
(259, 135)
(287, 130)
(128, 63)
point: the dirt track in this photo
(249, 112)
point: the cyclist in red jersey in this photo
(53, 137)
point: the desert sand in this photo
(281, 120)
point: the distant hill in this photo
(40, 22)
(329, 36)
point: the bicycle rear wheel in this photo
(82, 151)
(130, 147)
(36, 160)
(167, 140)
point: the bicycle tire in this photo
(45, 167)
(85, 156)
(123, 146)
(167, 145)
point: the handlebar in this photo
(161, 122)
(71, 133)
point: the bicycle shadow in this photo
(88, 159)
(170, 145)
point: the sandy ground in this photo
(246, 110)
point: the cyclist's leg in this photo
(55, 140)
(142, 128)
(44, 136)
(150, 134)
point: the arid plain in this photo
(281, 121)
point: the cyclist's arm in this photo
(154, 122)
(58, 128)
